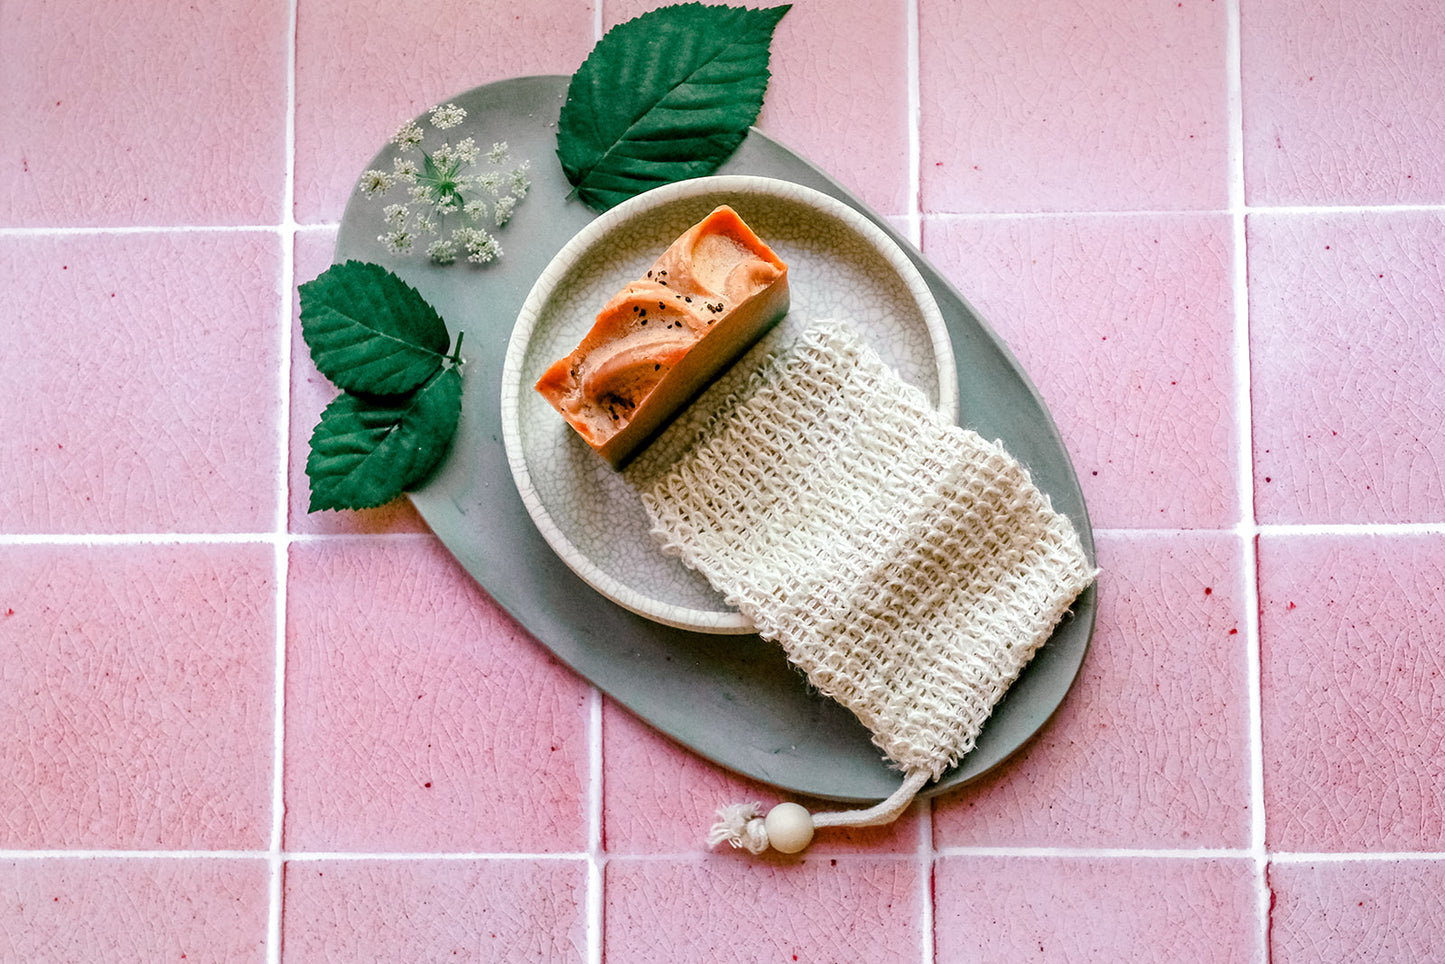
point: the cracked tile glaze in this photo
(840, 265)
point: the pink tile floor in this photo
(1213, 232)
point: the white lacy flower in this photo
(395, 214)
(405, 169)
(398, 242)
(408, 135)
(521, 183)
(446, 116)
(481, 247)
(503, 214)
(375, 182)
(442, 184)
(491, 182)
(442, 251)
(466, 150)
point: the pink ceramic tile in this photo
(736, 908)
(660, 798)
(152, 114)
(1125, 325)
(140, 376)
(1357, 911)
(1353, 686)
(133, 910)
(1096, 909)
(363, 68)
(419, 717)
(1342, 106)
(1348, 365)
(1073, 105)
(1151, 747)
(310, 393)
(136, 711)
(435, 910)
(838, 94)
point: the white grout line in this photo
(1021, 853)
(928, 925)
(1249, 528)
(1384, 857)
(20, 855)
(286, 230)
(1293, 528)
(343, 856)
(596, 857)
(83, 230)
(915, 133)
(136, 538)
(278, 744)
(1270, 209)
(1353, 529)
(1099, 853)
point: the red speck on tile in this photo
(1234, 632)
(1291, 605)
(1208, 590)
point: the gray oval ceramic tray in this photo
(732, 699)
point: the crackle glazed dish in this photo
(841, 265)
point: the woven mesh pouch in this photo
(908, 566)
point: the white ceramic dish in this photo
(841, 265)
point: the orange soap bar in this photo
(714, 292)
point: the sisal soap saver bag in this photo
(907, 566)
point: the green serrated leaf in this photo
(664, 97)
(369, 331)
(367, 451)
